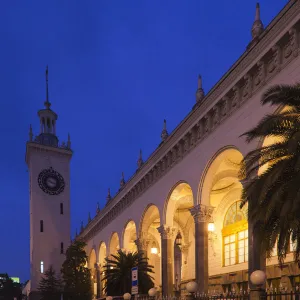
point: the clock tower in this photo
(48, 164)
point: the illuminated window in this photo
(42, 267)
(41, 226)
(235, 235)
(61, 248)
(61, 208)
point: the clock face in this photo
(51, 182)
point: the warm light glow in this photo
(42, 267)
(211, 227)
(111, 268)
(154, 249)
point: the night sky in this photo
(116, 69)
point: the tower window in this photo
(41, 226)
(42, 267)
(61, 248)
(61, 208)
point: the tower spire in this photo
(47, 103)
(200, 92)
(257, 27)
(108, 197)
(140, 161)
(164, 133)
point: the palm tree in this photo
(274, 193)
(117, 270)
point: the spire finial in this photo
(98, 208)
(89, 218)
(200, 92)
(69, 141)
(82, 227)
(164, 133)
(257, 27)
(30, 133)
(108, 197)
(140, 161)
(122, 182)
(47, 103)
(199, 82)
(257, 12)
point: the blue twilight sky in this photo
(116, 69)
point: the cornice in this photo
(275, 49)
(43, 148)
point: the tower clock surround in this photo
(48, 163)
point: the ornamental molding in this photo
(277, 47)
(166, 232)
(142, 244)
(202, 213)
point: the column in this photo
(202, 216)
(97, 275)
(256, 257)
(167, 258)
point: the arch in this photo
(102, 254)
(181, 195)
(101, 259)
(114, 243)
(150, 215)
(149, 223)
(220, 187)
(92, 259)
(177, 215)
(221, 172)
(129, 236)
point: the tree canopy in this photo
(117, 270)
(76, 277)
(274, 194)
(9, 289)
(50, 285)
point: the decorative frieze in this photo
(247, 88)
(235, 96)
(292, 45)
(259, 74)
(242, 90)
(274, 63)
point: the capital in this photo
(142, 242)
(166, 232)
(202, 213)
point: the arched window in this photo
(235, 235)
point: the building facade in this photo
(190, 184)
(48, 164)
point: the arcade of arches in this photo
(207, 240)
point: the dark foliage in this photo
(76, 277)
(9, 289)
(117, 269)
(50, 285)
(274, 193)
